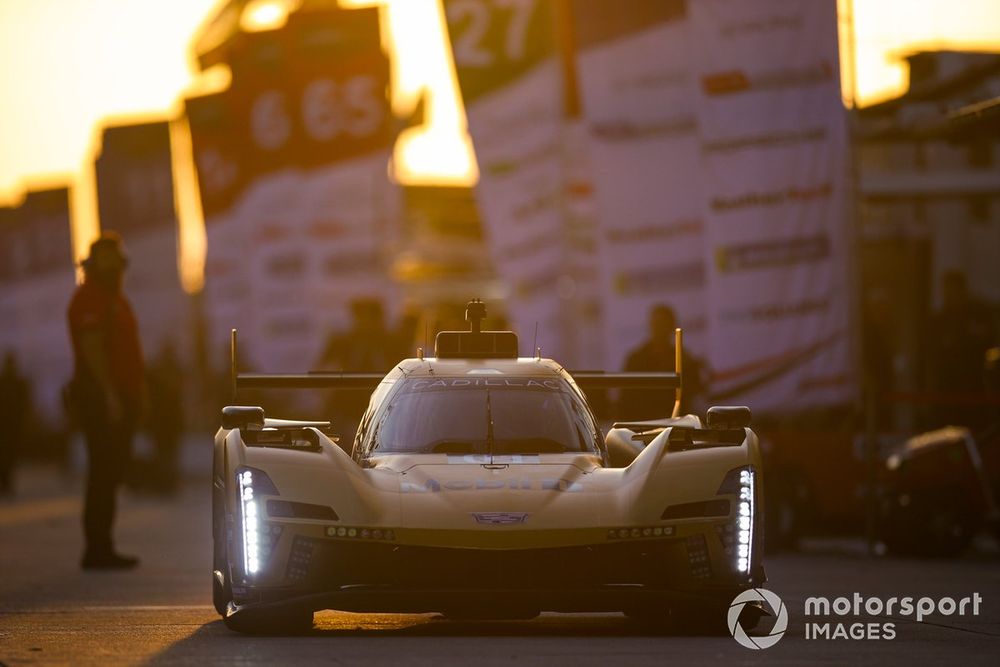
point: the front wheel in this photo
(281, 622)
(222, 594)
(491, 614)
(699, 621)
(222, 591)
(683, 620)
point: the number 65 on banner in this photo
(329, 109)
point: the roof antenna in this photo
(233, 370)
(534, 343)
(678, 362)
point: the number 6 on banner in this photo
(269, 121)
(469, 48)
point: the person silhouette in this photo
(656, 354)
(15, 403)
(105, 392)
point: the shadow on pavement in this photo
(213, 642)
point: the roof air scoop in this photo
(475, 343)
(475, 313)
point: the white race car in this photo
(479, 486)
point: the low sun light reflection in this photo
(261, 15)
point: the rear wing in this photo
(641, 380)
(334, 380)
(585, 379)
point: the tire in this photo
(283, 622)
(683, 621)
(222, 593)
(496, 614)
(649, 621)
(699, 622)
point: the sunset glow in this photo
(66, 66)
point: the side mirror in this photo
(725, 417)
(243, 416)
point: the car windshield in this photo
(496, 415)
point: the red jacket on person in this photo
(95, 308)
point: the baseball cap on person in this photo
(107, 252)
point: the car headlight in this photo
(742, 483)
(252, 484)
(745, 521)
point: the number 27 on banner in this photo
(473, 23)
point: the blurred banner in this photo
(511, 72)
(638, 92)
(292, 165)
(220, 167)
(135, 197)
(774, 154)
(713, 135)
(36, 283)
(8, 274)
(442, 260)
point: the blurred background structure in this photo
(930, 170)
(337, 179)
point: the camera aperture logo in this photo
(845, 617)
(770, 603)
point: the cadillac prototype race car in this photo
(479, 486)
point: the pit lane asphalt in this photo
(53, 613)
